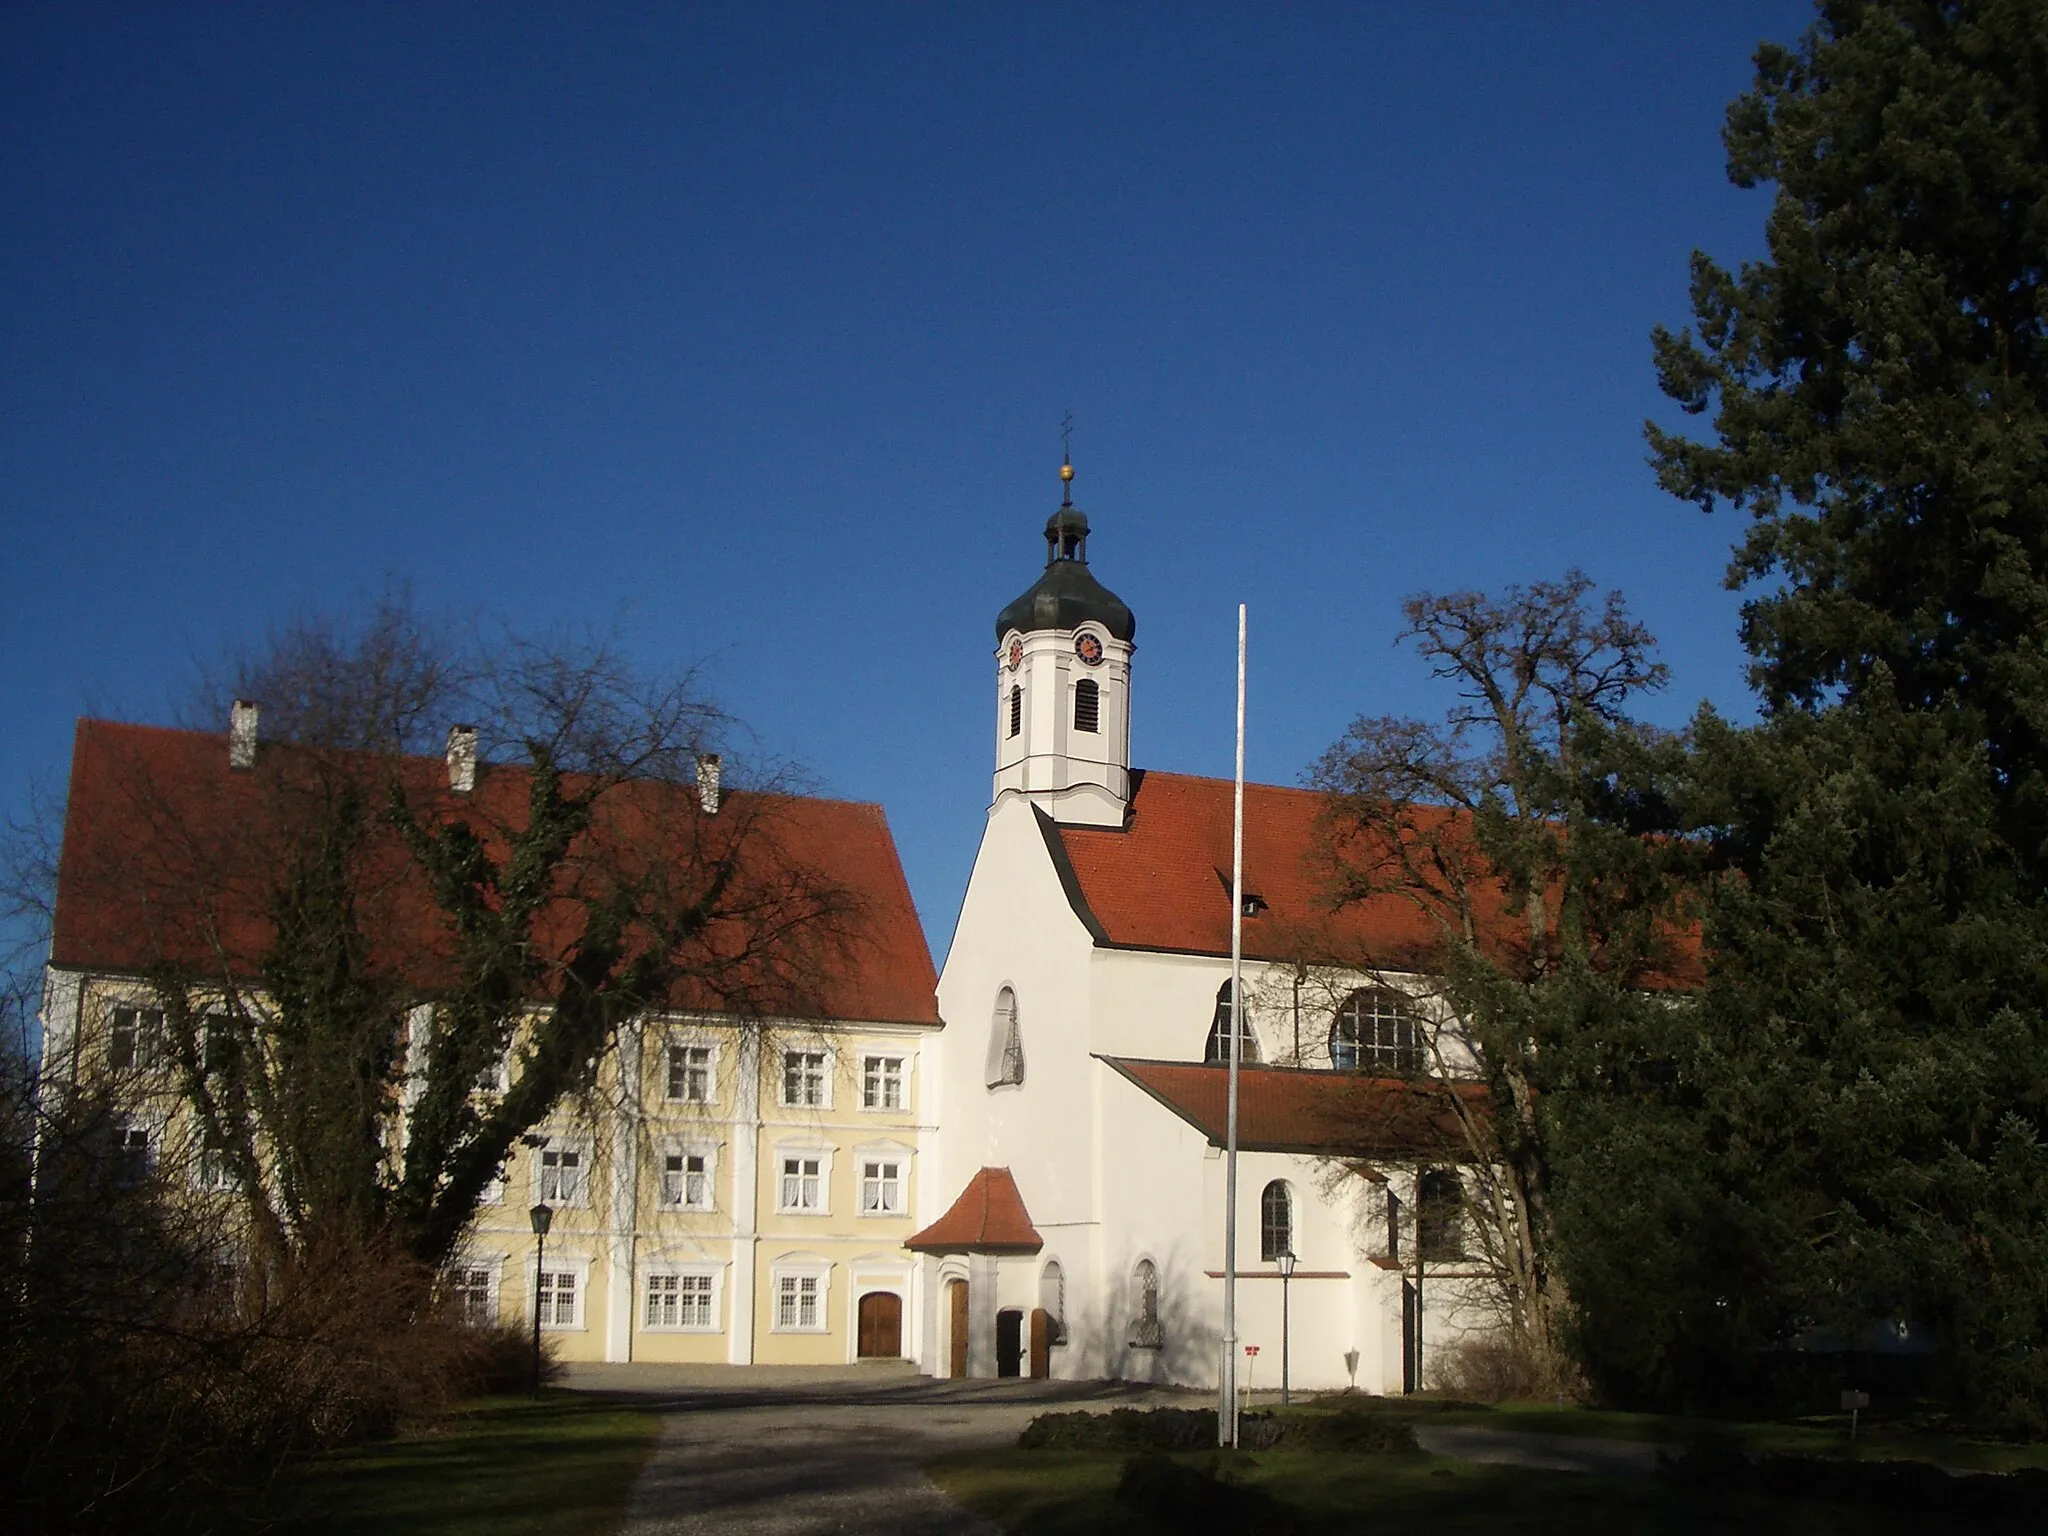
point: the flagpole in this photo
(1226, 1413)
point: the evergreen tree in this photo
(1850, 1131)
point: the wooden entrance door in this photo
(881, 1326)
(956, 1300)
(1041, 1344)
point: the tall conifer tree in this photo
(1864, 1093)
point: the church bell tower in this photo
(1063, 684)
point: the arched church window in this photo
(1016, 709)
(1087, 706)
(1375, 1032)
(1005, 1043)
(1440, 1214)
(1147, 1332)
(1276, 1221)
(1052, 1299)
(1216, 1051)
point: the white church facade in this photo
(1073, 1213)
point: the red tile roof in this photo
(170, 857)
(1162, 882)
(989, 1217)
(1336, 1114)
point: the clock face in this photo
(1089, 649)
(1016, 654)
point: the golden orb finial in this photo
(1066, 472)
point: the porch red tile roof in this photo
(989, 1217)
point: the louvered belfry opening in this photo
(1087, 706)
(1016, 709)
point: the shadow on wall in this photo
(1172, 1340)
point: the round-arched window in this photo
(1215, 1051)
(1147, 1332)
(1005, 1043)
(1375, 1032)
(1276, 1221)
(1052, 1300)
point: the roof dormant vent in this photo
(242, 735)
(462, 758)
(709, 789)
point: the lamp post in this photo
(542, 1216)
(1286, 1263)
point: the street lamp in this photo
(1286, 1263)
(542, 1216)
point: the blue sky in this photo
(749, 330)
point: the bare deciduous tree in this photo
(1511, 826)
(348, 937)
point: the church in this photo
(1074, 1206)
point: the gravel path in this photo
(797, 1452)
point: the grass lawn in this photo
(1066, 1493)
(1876, 1439)
(497, 1467)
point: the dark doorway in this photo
(881, 1326)
(1009, 1342)
(956, 1301)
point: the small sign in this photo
(1853, 1400)
(1251, 1349)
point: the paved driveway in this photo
(794, 1451)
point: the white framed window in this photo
(685, 1173)
(807, 1079)
(135, 1149)
(881, 1186)
(493, 1192)
(214, 1171)
(135, 1039)
(561, 1173)
(882, 1079)
(680, 1300)
(560, 1290)
(800, 1297)
(473, 1288)
(1376, 1031)
(802, 1184)
(689, 1073)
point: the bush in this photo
(1495, 1369)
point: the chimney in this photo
(242, 735)
(708, 791)
(462, 758)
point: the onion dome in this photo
(1067, 595)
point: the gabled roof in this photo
(1330, 1114)
(989, 1217)
(1162, 881)
(169, 858)
(1154, 884)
